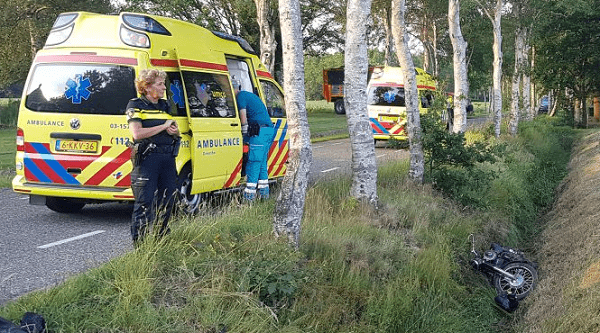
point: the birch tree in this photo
(364, 163)
(459, 59)
(289, 208)
(515, 107)
(265, 16)
(494, 13)
(399, 30)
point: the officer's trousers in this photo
(153, 183)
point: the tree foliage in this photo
(566, 42)
(24, 26)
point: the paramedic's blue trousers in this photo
(257, 171)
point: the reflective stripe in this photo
(250, 184)
(250, 190)
(262, 183)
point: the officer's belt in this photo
(163, 149)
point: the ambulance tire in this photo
(188, 204)
(338, 106)
(64, 205)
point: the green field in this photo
(7, 155)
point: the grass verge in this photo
(403, 268)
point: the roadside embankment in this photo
(567, 298)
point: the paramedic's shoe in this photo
(250, 193)
(264, 192)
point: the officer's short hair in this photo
(147, 77)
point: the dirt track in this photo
(567, 298)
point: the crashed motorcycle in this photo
(513, 276)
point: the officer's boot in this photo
(250, 191)
(263, 189)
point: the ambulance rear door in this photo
(216, 138)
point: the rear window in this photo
(386, 96)
(85, 88)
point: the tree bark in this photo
(268, 43)
(289, 208)
(417, 164)
(461, 80)
(364, 163)
(527, 101)
(515, 110)
(496, 20)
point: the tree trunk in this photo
(268, 43)
(436, 65)
(497, 75)
(390, 60)
(364, 163)
(461, 81)
(417, 164)
(527, 102)
(515, 110)
(289, 208)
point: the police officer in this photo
(258, 131)
(156, 143)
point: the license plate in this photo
(77, 146)
(388, 119)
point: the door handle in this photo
(234, 124)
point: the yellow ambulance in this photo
(386, 101)
(72, 136)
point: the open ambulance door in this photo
(216, 140)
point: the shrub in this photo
(9, 112)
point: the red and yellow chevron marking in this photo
(235, 177)
(277, 156)
(278, 153)
(108, 169)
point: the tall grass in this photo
(402, 268)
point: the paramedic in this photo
(156, 143)
(258, 131)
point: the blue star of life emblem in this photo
(389, 96)
(78, 89)
(177, 93)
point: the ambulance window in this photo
(385, 96)
(175, 94)
(273, 99)
(209, 95)
(86, 88)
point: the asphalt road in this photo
(40, 248)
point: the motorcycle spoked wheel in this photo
(526, 280)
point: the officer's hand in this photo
(172, 129)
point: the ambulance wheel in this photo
(64, 205)
(338, 106)
(188, 203)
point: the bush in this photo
(453, 166)
(9, 112)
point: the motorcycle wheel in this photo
(521, 287)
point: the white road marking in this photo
(328, 170)
(382, 155)
(71, 239)
(327, 145)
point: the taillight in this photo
(20, 140)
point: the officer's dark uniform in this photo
(154, 178)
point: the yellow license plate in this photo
(77, 146)
(388, 119)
